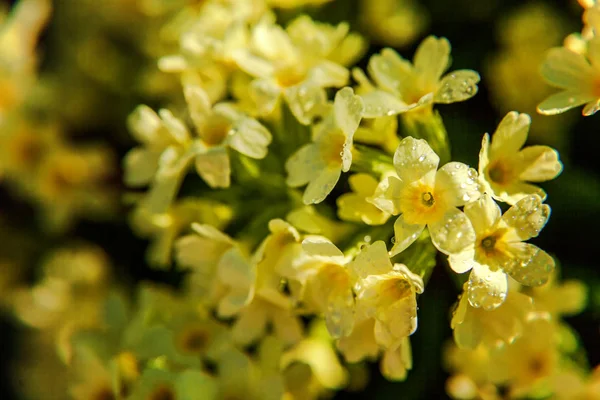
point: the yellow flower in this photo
(559, 298)
(168, 147)
(355, 206)
(393, 23)
(577, 75)
(321, 162)
(499, 249)
(502, 325)
(424, 195)
(158, 384)
(527, 365)
(220, 272)
(572, 384)
(397, 360)
(504, 168)
(404, 86)
(298, 71)
(386, 293)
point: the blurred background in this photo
(97, 62)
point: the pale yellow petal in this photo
(457, 86)
(484, 156)
(526, 218)
(214, 167)
(510, 135)
(486, 288)
(320, 246)
(372, 260)
(397, 361)
(360, 344)
(564, 101)
(467, 330)
(483, 213)
(321, 185)
(378, 103)
(404, 235)
(453, 233)
(249, 137)
(144, 124)
(199, 105)
(414, 158)
(363, 184)
(348, 110)
(329, 74)
(287, 326)
(462, 262)
(539, 164)
(304, 165)
(250, 325)
(387, 195)
(457, 183)
(140, 166)
(339, 316)
(432, 59)
(566, 69)
(388, 69)
(235, 271)
(305, 101)
(530, 265)
(265, 94)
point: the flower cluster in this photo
(297, 207)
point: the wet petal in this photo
(539, 164)
(530, 265)
(414, 158)
(462, 262)
(458, 183)
(318, 188)
(404, 235)
(348, 110)
(453, 233)
(378, 103)
(432, 58)
(486, 288)
(372, 260)
(483, 213)
(457, 86)
(250, 138)
(563, 101)
(527, 218)
(387, 195)
(339, 316)
(388, 69)
(305, 101)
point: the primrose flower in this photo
(577, 75)
(472, 326)
(499, 249)
(386, 293)
(424, 195)
(299, 72)
(157, 383)
(321, 162)
(504, 168)
(403, 85)
(356, 207)
(168, 146)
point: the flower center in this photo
(289, 76)
(500, 173)
(215, 131)
(488, 243)
(104, 393)
(427, 199)
(162, 392)
(194, 340)
(332, 149)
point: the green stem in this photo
(370, 160)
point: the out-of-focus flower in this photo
(577, 75)
(502, 325)
(505, 168)
(499, 249)
(321, 162)
(393, 23)
(297, 67)
(424, 195)
(355, 206)
(403, 86)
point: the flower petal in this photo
(527, 218)
(303, 165)
(378, 103)
(414, 158)
(339, 316)
(372, 260)
(486, 288)
(329, 74)
(396, 361)
(199, 105)
(457, 183)
(453, 233)
(483, 213)
(140, 165)
(387, 195)
(250, 138)
(320, 246)
(530, 265)
(214, 168)
(348, 110)
(457, 86)
(404, 235)
(539, 163)
(388, 69)
(432, 58)
(566, 69)
(563, 101)
(318, 188)
(510, 135)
